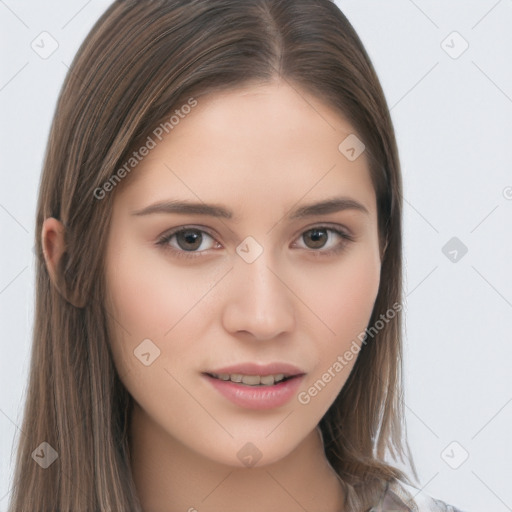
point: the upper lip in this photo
(287, 369)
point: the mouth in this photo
(252, 380)
(254, 386)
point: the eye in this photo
(191, 242)
(320, 236)
(186, 240)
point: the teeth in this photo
(250, 380)
(268, 380)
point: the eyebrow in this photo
(327, 206)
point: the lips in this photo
(256, 386)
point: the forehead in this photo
(260, 139)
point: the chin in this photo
(255, 451)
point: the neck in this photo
(169, 477)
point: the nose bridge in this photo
(259, 301)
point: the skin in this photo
(260, 151)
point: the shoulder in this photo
(400, 497)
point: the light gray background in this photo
(453, 119)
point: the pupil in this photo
(190, 237)
(316, 235)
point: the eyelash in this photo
(164, 240)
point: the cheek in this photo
(357, 295)
(343, 296)
(141, 306)
(345, 307)
(149, 297)
(149, 301)
(345, 300)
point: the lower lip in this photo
(257, 397)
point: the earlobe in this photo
(52, 237)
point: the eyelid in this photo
(327, 225)
(341, 231)
(344, 233)
(163, 239)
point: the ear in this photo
(52, 237)
(54, 250)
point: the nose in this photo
(259, 301)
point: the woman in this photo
(219, 271)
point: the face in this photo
(235, 318)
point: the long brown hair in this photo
(141, 60)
